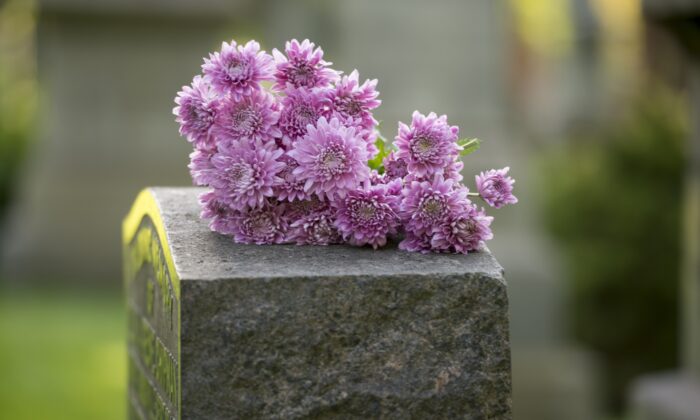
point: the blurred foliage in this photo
(18, 89)
(62, 357)
(613, 200)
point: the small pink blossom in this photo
(196, 111)
(462, 232)
(496, 187)
(352, 102)
(244, 175)
(394, 167)
(302, 66)
(428, 145)
(238, 69)
(301, 108)
(332, 159)
(427, 204)
(252, 118)
(217, 211)
(290, 188)
(315, 228)
(367, 216)
(263, 225)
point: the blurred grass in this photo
(62, 356)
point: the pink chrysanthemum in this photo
(394, 186)
(300, 108)
(375, 178)
(303, 66)
(196, 110)
(332, 159)
(315, 228)
(252, 118)
(244, 175)
(299, 208)
(201, 168)
(394, 167)
(238, 69)
(290, 163)
(218, 212)
(454, 171)
(367, 216)
(353, 103)
(290, 188)
(416, 243)
(463, 231)
(262, 225)
(426, 205)
(496, 187)
(429, 145)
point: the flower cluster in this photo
(290, 152)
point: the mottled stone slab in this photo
(290, 332)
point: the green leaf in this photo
(384, 150)
(469, 146)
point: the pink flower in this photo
(290, 188)
(454, 171)
(394, 187)
(496, 188)
(375, 178)
(315, 228)
(394, 167)
(201, 168)
(367, 216)
(463, 231)
(238, 69)
(353, 103)
(426, 205)
(429, 145)
(299, 208)
(252, 118)
(263, 225)
(218, 212)
(244, 175)
(196, 110)
(300, 108)
(289, 163)
(303, 66)
(416, 243)
(332, 159)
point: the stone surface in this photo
(307, 332)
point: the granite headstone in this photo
(223, 330)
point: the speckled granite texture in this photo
(286, 332)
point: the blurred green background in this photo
(585, 100)
(62, 356)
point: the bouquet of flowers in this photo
(291, 153)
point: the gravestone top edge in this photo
(200, 254)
